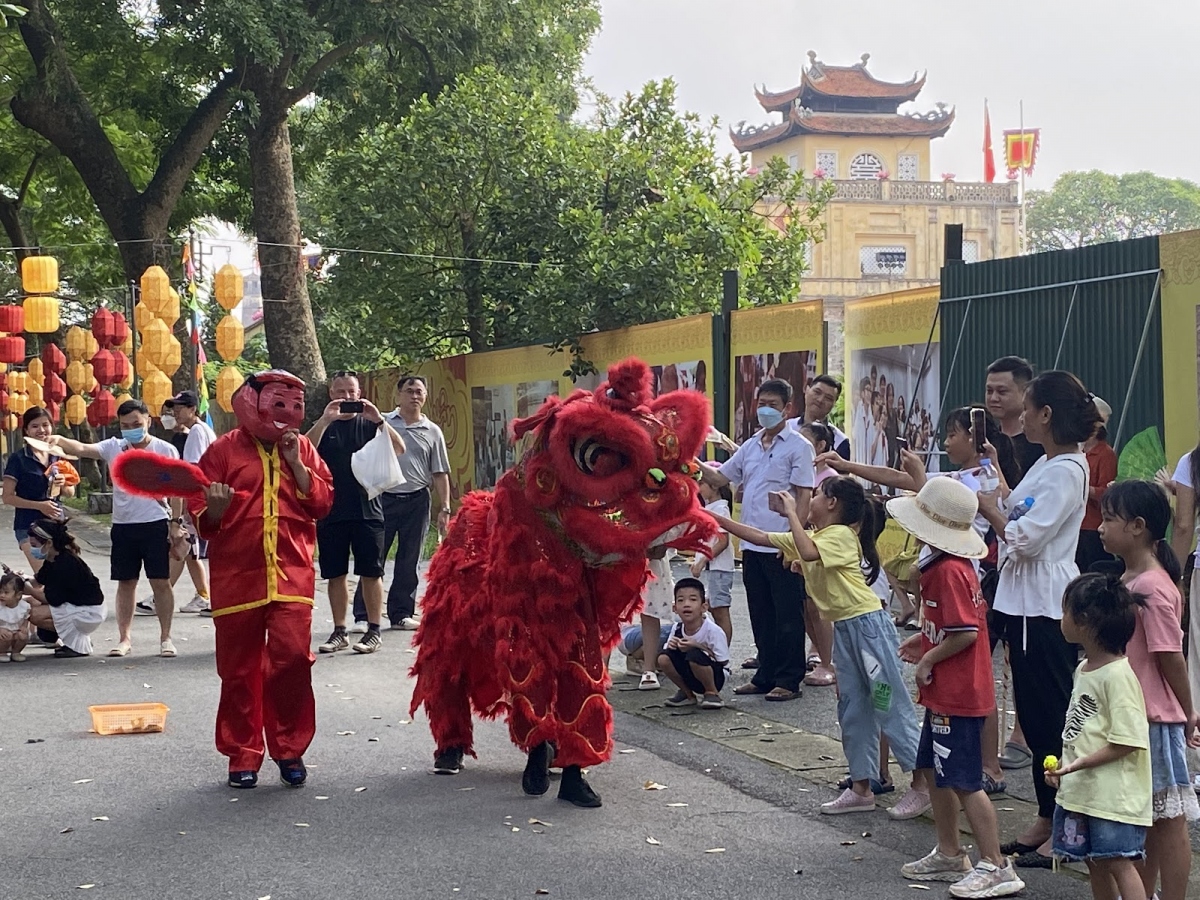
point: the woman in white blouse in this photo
(1037, 550)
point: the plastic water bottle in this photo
(1020, 509)
(989, 478)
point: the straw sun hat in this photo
(942, 515)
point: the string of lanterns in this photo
(231, 336)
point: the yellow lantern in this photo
(228, 286)
(170, 311)
(37, 371)
(156, 289)
(145, 368)
(156, 341)
(41, 315)
(89, 377)
(143, 315)
(18, 402)
(11, 422)
(157, 390)
(93, 345)
(126, 346)
(77, 377)
(127, 382)
(77, 343)
(75, 412)
(39, 274)
(19, 382)
(229, 379)
(35, 395)
(174, 356)
(231, 338)
(123, 397)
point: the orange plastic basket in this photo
(129, 718)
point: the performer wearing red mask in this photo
(269, 488)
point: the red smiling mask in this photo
(270, 404)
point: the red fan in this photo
(150, 475)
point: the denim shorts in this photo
(1079, 837)
(631, 637)
(953, 747)
(22, 535)
(720, 589)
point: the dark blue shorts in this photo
(953, 747)
(1079, 837)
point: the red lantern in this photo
(3, 401)
(103, 328)
(12, 319)
(120, 329)
(121, 367)
(12, 349)
(104, 366)
(55, 412)
(54, 359)
(54, 390)
(102, 410)
(3, 380)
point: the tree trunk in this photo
(472, 278)
(14, 228)
(287, 312)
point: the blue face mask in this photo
(37, 552)
(769, 417)
(133, 435)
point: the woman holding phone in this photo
(33, 484)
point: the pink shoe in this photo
(914, 803)
(848, 802)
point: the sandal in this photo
(1015, 756)
(992, 786)
(749, 688)
(1016, 848)
(820, 677)
(750, 662)
(781, 695)
(877, 787)
(1033, 860)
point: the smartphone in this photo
(351, 406)
(978, 427)
(901, 444)
(775, 504)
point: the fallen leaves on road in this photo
(849, 843)
(344, 733)
(67, 830)
(515, 829)
(541, 891)
(376, 717)
(82, 781)
(372, 740)
(321, 797)
(84, 887)
(233, 799)
(146, 686)
(302, 825)
(866, 834)
(716, 850)
(99, 818)
(467, 789)
(653, 786)
(676, 805)
(627, 751)
(540, 822)
(919, 887)
(653, 842)
(359, 790)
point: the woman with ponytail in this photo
(1135, 517)
(68, 593)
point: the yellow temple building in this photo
(884, 227)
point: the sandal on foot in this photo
(820, 677)
(1015, 756)
(992, 786)
(1016, 848)
(781, 695)
(877, 787)
(1033, 860)
(750, 662)
(749, 688)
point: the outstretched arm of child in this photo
(745, 532)
(804, 544)
(1109, 753)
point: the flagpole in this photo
(1023, 163)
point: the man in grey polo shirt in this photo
(426, 466)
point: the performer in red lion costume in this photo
(528, 590)
(268, 489)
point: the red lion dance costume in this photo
(529, 588)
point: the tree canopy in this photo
(1093, 207)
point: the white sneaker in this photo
(196, 605)
(936, 866)
(987, 880)
(409, 623)
(145, 608)
(649, 682)
(358, 628)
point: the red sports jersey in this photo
(962, 685)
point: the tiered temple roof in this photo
(842, 100)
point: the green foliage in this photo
(1092, 207)
(522, 226)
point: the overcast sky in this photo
(1113, 86)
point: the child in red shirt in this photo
(954, 676)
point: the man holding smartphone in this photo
(355, 524)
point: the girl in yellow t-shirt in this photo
(872, 695)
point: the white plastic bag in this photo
(375, 466)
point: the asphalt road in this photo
(149, 816)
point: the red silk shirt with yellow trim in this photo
(262, 550)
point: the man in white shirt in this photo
(775, 459)
(142, 528)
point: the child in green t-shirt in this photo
(1103, 779)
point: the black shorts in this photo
(141, 544)
(336, 540)
(953, 747)
(682, 661)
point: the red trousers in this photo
(265, 663)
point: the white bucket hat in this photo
(942, 515)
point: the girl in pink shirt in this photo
(1135, 516)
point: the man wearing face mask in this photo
(142, 528)
(775, 459)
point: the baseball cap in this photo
(186, 398)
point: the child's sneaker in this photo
(682, 699)
(938, 867)
(649, 682)
(848, 802)
(712, 701)
(987, 880)
(913, 804)
(17, 656)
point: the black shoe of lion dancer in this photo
(536, 780)
(574, 789)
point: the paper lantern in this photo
(18, 403)
(104, 328)
(120, 330)
(39, 274)
(3, 401)
(36, 398)
(229, 379)
(18, 381)
(54, 389)
(93, 346)
(53, 359)
(156, 390)
(3, 381)
(228, 286)
(156, 289)
(231, 338)
(41, 315)
(104, 365)
(11, 422)
(145, 368)
(102, 409)
(126, 379)
(75, 412)
(12, 349)
(121, 369)
(156, 342)
(12, 319)
(54, 410)
(143, 315)
(126, 346)
(36, 371)
(77, 344)
(78, 379)
(170, 310)
(174, 356)
(122, 398)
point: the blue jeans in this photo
(873, 695)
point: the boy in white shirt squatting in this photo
(697, 652)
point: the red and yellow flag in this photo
(1021, 149)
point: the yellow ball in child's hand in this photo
(1050, 763)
